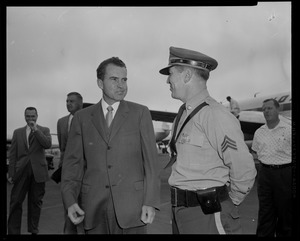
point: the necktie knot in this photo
(109, 108)
(109, 115)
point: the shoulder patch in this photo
(228, 143)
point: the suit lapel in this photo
(99, 121)
(119, 118)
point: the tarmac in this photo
(52, 215)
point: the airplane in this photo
(251, 116)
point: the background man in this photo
(110, 160)
(234, 106)
(74, 103)
(28, 171)
(272, 145)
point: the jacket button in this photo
(106, 186)
(109, 166)
(108, 147)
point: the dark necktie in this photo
(109, 115)
(30, 138)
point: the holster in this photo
(209, 200)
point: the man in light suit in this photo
(74, 103)
(111, 165)
(28, 171)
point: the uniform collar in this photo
(192, 103)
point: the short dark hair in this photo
(228, 98)
(102, 67)
(200, 72)
(77, 94)
(31, 108)
(275, 102)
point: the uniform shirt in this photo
(211, 151)
(273, 146)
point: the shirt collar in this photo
(28, 128)
(196, 100)
(104, 105)
(279, 125)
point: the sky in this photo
(52, 51)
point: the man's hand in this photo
(148, 214)
(76, 214)
(32, 125)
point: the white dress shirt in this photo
(104, 105)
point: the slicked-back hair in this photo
(77, 94)
(31, 108)
(101, 70)
(275, 102)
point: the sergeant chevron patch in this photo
(228, 143)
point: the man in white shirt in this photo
(272, 145)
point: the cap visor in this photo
(165, 71)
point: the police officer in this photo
(213, 170)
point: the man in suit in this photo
(74, 103)
(28, 171)
(112, 164)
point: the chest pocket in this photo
(194, 139)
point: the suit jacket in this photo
(62, 135)
(122, 161)
(20, 154)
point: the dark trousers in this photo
(35, 191)
(192, 220)
(109, 224)
(274, 189)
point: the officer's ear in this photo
(188, 75)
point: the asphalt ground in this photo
(52, 215)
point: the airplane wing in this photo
(156, 115)
(250, 122)
(163, 116)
